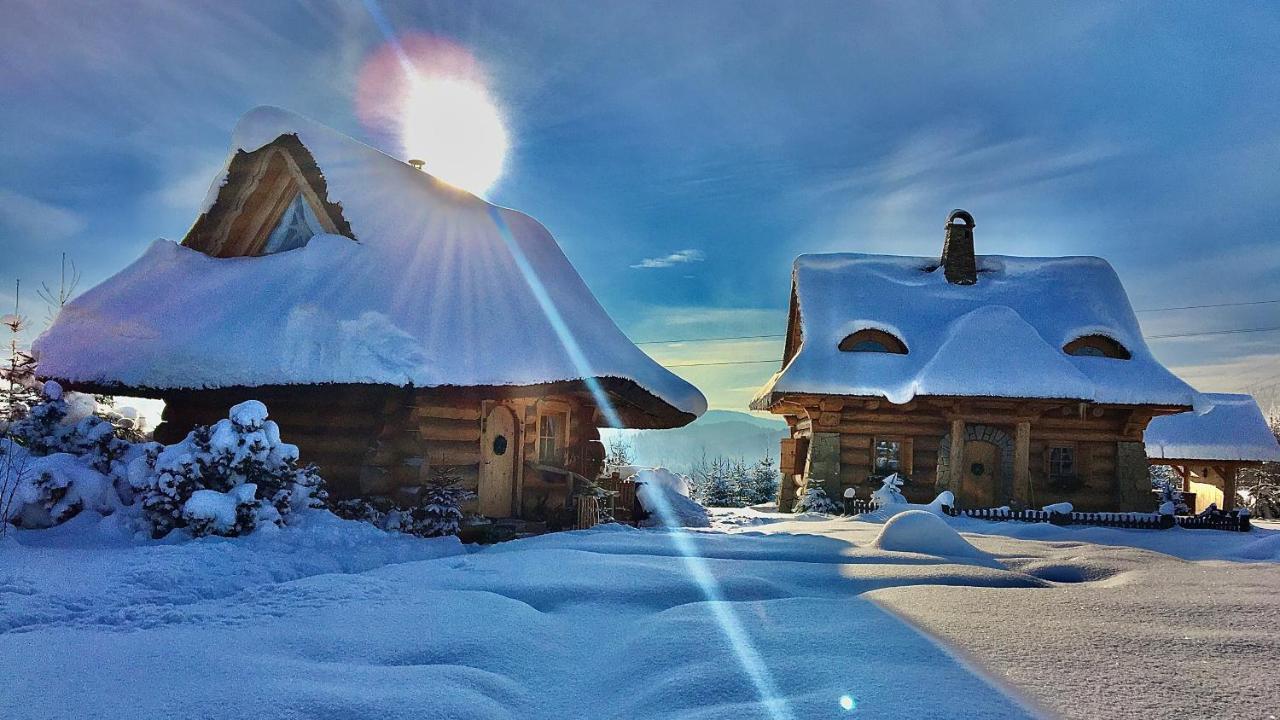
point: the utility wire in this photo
(1215, 305)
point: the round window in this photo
(977, 468)
(500, 445)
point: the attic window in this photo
(297, 225)
(1096, 346)
(875, 341)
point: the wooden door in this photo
(497, 463)
(981, 472)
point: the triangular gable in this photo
(274, 199)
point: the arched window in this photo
(872, 340)
(1096, 346)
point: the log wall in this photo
(1106, 439)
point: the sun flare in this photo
(455, 127)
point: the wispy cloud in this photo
(31, 220)
(679, 257)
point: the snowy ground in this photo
(337, 620)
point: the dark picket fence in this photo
(1233, 521)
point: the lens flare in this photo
(431, 97)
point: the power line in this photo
(724, 362)
(735, 337)
(1214, 305)
(1212, 332)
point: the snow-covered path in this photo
(336, 620)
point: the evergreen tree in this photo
(816, 500)
(1263, 483)
(718, 490)
(761, 483)
(699, 475)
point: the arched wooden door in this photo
(497, 463)
(981, 471)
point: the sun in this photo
(454, 126)
(433, 97)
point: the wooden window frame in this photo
(1074, 447)
(563, 411)
(1109, 347)
(892, 344)
(906, 448)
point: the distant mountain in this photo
(723, 433)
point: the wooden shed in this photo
(389, 321)
(1007, 380)
(1210, 445)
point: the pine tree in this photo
(699, 476)
(1263, 483)
(761, 483)
(719, 489)
(816, 500)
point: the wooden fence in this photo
(619, 505)
(1234, 521)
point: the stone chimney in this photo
(957, 249)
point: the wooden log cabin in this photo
(1007, 380)
(390, 322)
(1211, 445)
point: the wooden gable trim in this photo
(795, 334)
(260, 186)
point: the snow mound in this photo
(665, 496)
(1267, 548)
(920, 531)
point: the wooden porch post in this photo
(1228, 487)
(957, 455)
(1022, 461)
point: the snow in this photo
(219, 508)
(331, 619)
(1064, 508)
(919, 531)
(665, 496)
(1223, 427)
(1016, 318)
(439, 288)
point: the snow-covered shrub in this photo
(429, 510)
(816, 500)
(890, 492)
(61, 458)
(173, 484)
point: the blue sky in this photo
(716, 140)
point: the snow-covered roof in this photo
(439, 288)
(1000, 337)
(1224, 427)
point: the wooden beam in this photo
(1228, 487)
(957, 454)
(1022, 460)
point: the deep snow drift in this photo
(334, 619)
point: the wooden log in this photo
(446, 412)
(431, 429)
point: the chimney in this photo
(957, 249)
(417, 164)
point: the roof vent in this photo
(958, 262)
(417, 164)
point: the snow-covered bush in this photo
(890, 492)
(173, 484)
(429, 510)
(60, 458)
(816, 500)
